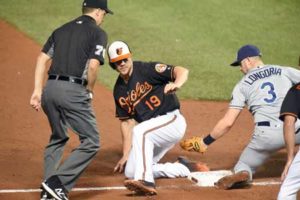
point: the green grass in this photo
(202, 35)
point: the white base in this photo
(207, 179)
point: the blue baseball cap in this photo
(245, 52)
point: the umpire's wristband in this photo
(208, 140)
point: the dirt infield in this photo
(25, 132)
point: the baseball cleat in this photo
(141, 187)
(193, 166)
(45, 195)
(230, 181)
(54, 188)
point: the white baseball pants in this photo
(151, 141)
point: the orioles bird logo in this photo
(119, 51)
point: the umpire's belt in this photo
(71, 79)
(264, 123)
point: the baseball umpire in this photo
(263, 89)
(144, 93)
(290, 111)
(76, 50)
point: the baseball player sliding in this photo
(151, 122)
(263, 89)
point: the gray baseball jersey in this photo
(263, 89)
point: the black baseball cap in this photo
(97, 4)
(245, 52)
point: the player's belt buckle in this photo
(264, 123)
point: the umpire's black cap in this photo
(245, 52)
(97, 4)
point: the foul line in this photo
(74, 189)
(88, 189)
(266, 183)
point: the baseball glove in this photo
(194, 144)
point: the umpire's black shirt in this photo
(73, 44)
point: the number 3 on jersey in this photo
(153, 102)
(271, 92)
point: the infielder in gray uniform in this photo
(263, 89)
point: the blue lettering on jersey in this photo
(263, 74)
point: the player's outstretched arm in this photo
(225, 124)
(200, 144)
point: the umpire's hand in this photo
(35, 101)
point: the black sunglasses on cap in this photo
(119, 62)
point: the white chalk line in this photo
(84, 189)
(266, 183)
(74, 189)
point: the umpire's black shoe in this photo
(45, 195)
(54, 187)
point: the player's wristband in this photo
(208, 140)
